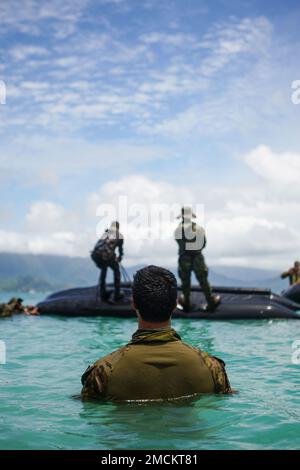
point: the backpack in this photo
(104, 251)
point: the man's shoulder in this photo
(192, 351)
(199, 228)
(208, 359)
(218, 371)
(104, 364)
(216, 367)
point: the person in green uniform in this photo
(293, 274)
(15, 305)
(156, 364)
(191, 241)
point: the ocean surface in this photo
(46, 356)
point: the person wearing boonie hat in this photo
(191, 241)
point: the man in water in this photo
(104, 257)
(155, 364)
(293, 274)
(15, 305)
(191, 241)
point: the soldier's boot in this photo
(118, 295)
(213, 302)
(184, 301)
(102, 295)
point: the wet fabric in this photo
(11, 307)
(154, 365)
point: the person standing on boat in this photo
(104, 256)
(293, 274)
(191, 241)
(156, 364)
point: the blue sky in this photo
(180, 99)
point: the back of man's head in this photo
(154, 293)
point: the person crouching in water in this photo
(104, 257)
(15, 306)
(156, 364)
(191, 241)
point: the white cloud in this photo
(23, 52)
(226, 41)
(139, 188)
(98, 80)
(229, 77)
(45, 216)
(56, 243)
(251, 238)
(140, 78)
(171, 39)
(25, 14)
(183, 124)
(282, 169)
(243, 226)
(57, 158)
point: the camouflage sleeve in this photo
(5, 311)
(218, 372)
(285, 274)
(95, 380)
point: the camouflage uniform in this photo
(293, 275)
(155, 365)
(192, 260)
(195, 263)
(13, 306)
(116, 241)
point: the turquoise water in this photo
(47, 355)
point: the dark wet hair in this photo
(154, 293)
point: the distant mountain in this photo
(248, 277)
(246, 274)
(23, 272)
(55, 272)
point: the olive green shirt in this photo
(155, 365)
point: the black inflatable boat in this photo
(236, 304)
(293, 293)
